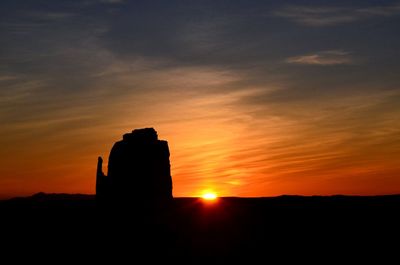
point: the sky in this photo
(256, 98)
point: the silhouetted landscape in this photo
(139, 171)
(190, 228)
(122, 222)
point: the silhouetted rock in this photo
(138, 171)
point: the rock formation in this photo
(138, 170)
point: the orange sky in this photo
(215, 145)
(255, 99)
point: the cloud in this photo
(51, 16)
(112, 1)
(328, 16)
(7, 77)
(332, 57)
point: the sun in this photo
(209, 196)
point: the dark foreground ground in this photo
(189, 230)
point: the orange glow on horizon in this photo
(208, 152)
(209, 196)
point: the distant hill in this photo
(40, 196)
(80, 196)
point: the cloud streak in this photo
(319, 16)
(324, 58)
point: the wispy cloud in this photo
(328, 16)
(331, 57)
(112, 1)
(7, 77)
(51, 16)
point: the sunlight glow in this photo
(209, 196)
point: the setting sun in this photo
(209, 196)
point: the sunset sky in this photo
(256, 98)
